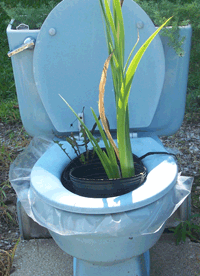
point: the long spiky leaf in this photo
(127, 62)
(136, 59)
(119, 29)
(116, 43)
(109, 149)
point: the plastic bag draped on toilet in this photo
(65, 223)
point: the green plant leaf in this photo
(127, 62)
(109, 149)
(136, 59)
(119, 26)
(101, 154)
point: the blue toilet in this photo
(109, 236)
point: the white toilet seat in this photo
(46, 184)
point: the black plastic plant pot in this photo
(90, 180)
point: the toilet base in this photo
(137, 266)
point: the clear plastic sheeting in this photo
(143, 221)
(20, 170)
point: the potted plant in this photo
(117, 161)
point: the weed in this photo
(6, 260)
(9, 111)
(193, 100)
(184, 13)
(195, 200)
(4, 213)
(75, 144)
(5, 152)
(5, 263)
(187, 229)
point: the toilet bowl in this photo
(106, 236)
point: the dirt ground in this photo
(13, 139)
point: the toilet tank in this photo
(170, 108)
(32, 112)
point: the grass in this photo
(187, 229)
(9, 111)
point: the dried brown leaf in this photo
(101, 104)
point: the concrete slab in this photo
(42, 257)
(169, 259)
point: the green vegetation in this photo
(6, 260)
(7, 88)
(5, 160)
(33, 13)
(187, 229)
(8, 152)
(122, 75)
(73, 141)
(3, 208)
(184, 12)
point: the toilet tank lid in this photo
(68, 59)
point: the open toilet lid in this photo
(68, 59)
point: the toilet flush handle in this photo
(29, 43)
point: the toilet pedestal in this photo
(136, 266)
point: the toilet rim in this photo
(46, 184)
